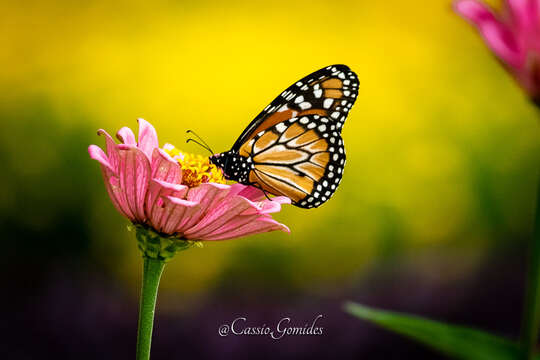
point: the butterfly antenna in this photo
(201, 139)
(201, 145)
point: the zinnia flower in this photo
(175, 197)
(513, 36)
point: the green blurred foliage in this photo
(442, 146)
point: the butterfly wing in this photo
(301, 158)
(328, 92)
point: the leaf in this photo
(457, 341)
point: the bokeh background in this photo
(433, 216)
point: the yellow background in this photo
(442, 145)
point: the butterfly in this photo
(294, 147)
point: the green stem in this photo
(531, 314)
(152, 270)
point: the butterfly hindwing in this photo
(301, 158)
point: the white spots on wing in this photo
(299, 83)
(311, 125)
(327, 103)
(346, 82)
(346, 93)
(284, 107)
(304, 120)
(322, 128)
(335, 157)
(341, 75)
(304, 88)
(335, 115)
(305, 105)
(290, 96)
(299, 99)
(281, 127)
(317, 93)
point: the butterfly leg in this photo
(265, 194)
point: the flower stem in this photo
(152, 270)
(531, 314)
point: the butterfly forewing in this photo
(329, 92)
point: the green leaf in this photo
(457, 341)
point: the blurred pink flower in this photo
(513, 36)
(145, 184)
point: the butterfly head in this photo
(234, 166)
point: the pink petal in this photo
(116, 195)
(208, 196)
(497, 35)
(165, 167)
(525, 13)
(178, 213)
(112, 149)
(148, 140)
(126, 136)
(158, 206)
(250, 192)
(261, 225)
(134, 175)
(268, 206)
(219, 215)
(97, 154)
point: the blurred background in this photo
(433, 216)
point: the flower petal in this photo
(496, 34)
(261, 225)
(96, 153)
(165, 167)
(126, 136)
(250, 192)
(148, 140)
(268, 206)
(219, 215)
(524, 13)
(112, 149)
(179, 210)
(134, 175)
(208, 196)
(111, 182)
(158, 209)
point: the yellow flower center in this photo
(196, 169)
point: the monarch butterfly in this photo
(294, 146)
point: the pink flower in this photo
(513, 36)
(146, 184)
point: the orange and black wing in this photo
(301, 158)
(329, 92)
